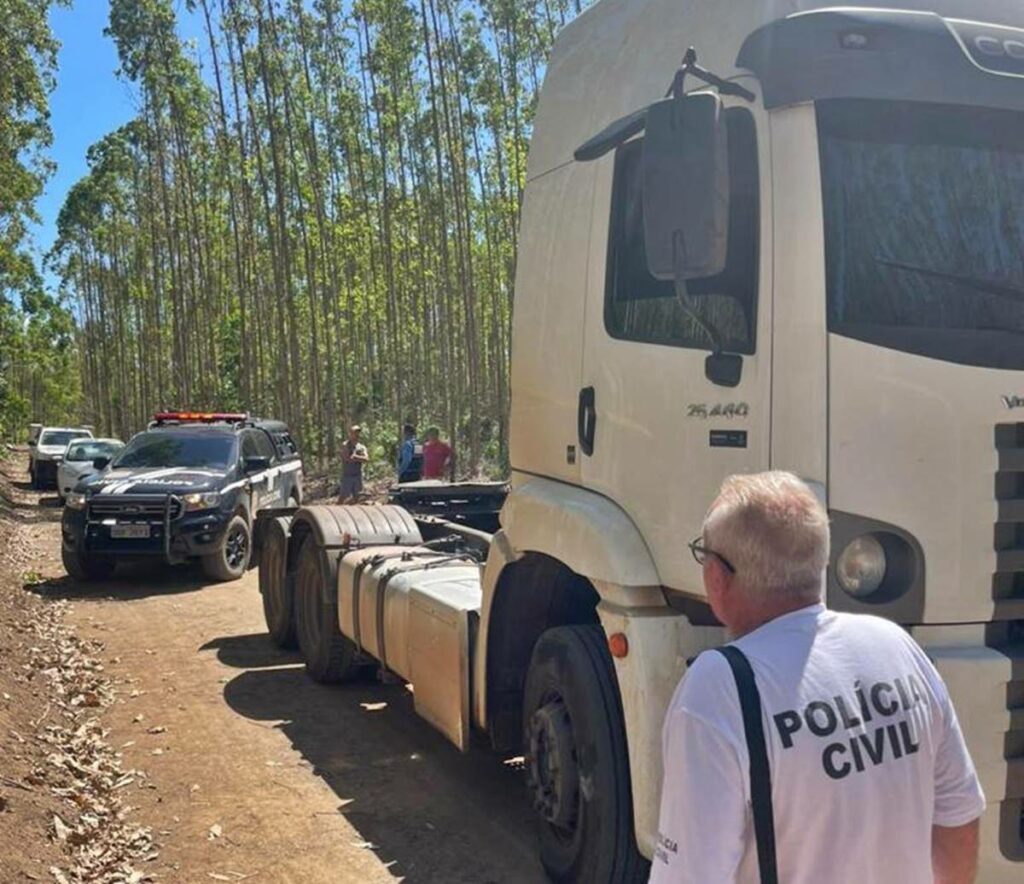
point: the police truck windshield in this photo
(199, 450)
(923, 228)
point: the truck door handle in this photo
(586, 420)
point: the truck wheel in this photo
(330, 657)
(232, 556)
(277, 587)
(573, 734)
(34, 478)
(82, 566)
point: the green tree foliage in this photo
(38, 368)
(313, 216)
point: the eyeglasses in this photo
(701, 553)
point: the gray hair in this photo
(774, 531)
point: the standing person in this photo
(353, 456)
(870, 779)
(437, 455)
(410, 456)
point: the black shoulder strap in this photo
(760, 772)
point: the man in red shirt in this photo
(437, 455)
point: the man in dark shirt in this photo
(410, 456)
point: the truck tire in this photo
(277, 586)
(231, 558)
(82, 566)
(33, 476)
(330, 657)
(573, 733)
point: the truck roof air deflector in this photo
(886, 54)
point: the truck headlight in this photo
(205, 501)
(75, 501)
(861, 567)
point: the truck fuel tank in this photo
(416, 611)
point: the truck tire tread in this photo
(277, 586)
(330, 657)
(611, 856)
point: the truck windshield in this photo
(177, 450)
(923, 228)
(60, 437)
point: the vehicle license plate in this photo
(129, 532)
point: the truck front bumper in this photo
(169, 536)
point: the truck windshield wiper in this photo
(978, 283)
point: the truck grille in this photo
(1008, 581)
(149, 508)
(1006, 634)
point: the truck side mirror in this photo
(100, 463)
(686, 187)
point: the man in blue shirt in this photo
(410, 456)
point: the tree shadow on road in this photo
(254, 651)
(34, 511)
(129, 583)
(436, 814)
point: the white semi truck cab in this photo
(812, 261)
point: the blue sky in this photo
(89, 101)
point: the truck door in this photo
(657, 435)
(547, 337)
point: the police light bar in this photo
(199, 417)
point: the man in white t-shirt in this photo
(871, 781)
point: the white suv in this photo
(78, 461)
(46, 451)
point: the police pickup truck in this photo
(189, 487)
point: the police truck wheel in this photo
(82, 566)
(330, 657)
(577, 763)
(232, 555)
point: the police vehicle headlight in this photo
(205, 501)
(860, 568)
(74, 501)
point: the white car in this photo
(78, 461)
(46, 451)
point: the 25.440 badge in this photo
(704, 411)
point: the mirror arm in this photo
(689, 66)
(683, 294)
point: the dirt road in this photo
(254, 770)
